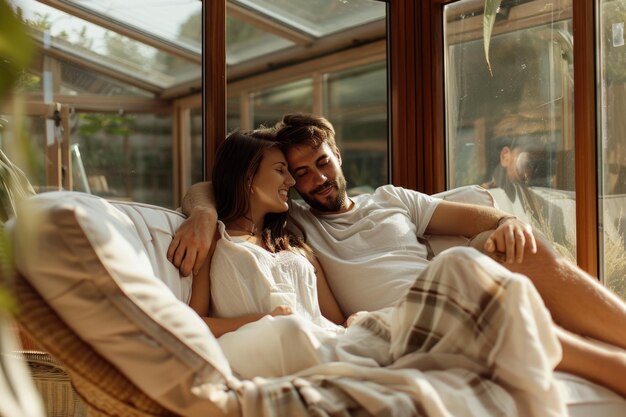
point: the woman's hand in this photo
(282, 310)
(354, 317)
(512, 237)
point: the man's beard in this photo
(327, 205)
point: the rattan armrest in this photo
(105, 391)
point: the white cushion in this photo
(155, 228)
(470, 194)
(584, 398)
(92, 264)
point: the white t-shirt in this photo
(370, 254)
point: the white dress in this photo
(247, 279)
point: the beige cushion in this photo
(92, 264)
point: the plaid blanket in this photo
(470, 339)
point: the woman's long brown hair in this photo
(236, 163)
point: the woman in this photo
(260, 273)
(259, 267)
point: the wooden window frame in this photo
(316, 70)
(213, 79)
(181, 145)
(57, 154)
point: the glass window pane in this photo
(269, 105)
(83, 41)
(127, 157)
(512, 130)
(245, 41)
(319, 17)
(233, 113)
(356, 102)
(197, 154)
(612, 143)
(179, 22)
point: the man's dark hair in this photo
(304, 129)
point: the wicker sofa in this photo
(195, 379)
(98, 386)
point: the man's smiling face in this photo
(319, 178)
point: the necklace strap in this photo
(251, 231)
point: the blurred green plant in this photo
(7, 303)
(16, 51)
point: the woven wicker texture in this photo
(53, 383)
(105, 391)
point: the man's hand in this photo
(192, 241)
(512, 237)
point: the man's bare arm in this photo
(193, 239)
(199, 196)
(511, 235)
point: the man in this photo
(369, 249)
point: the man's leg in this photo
(466, 306)
(593, 361)
(603, 365)
(577, 302)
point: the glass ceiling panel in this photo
(177, 21)
(245, 41)
(96, 45)
(79, 81)
(319, 17)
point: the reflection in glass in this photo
(356, 103)
(512, 131)
(612, 142)
(270, 104)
